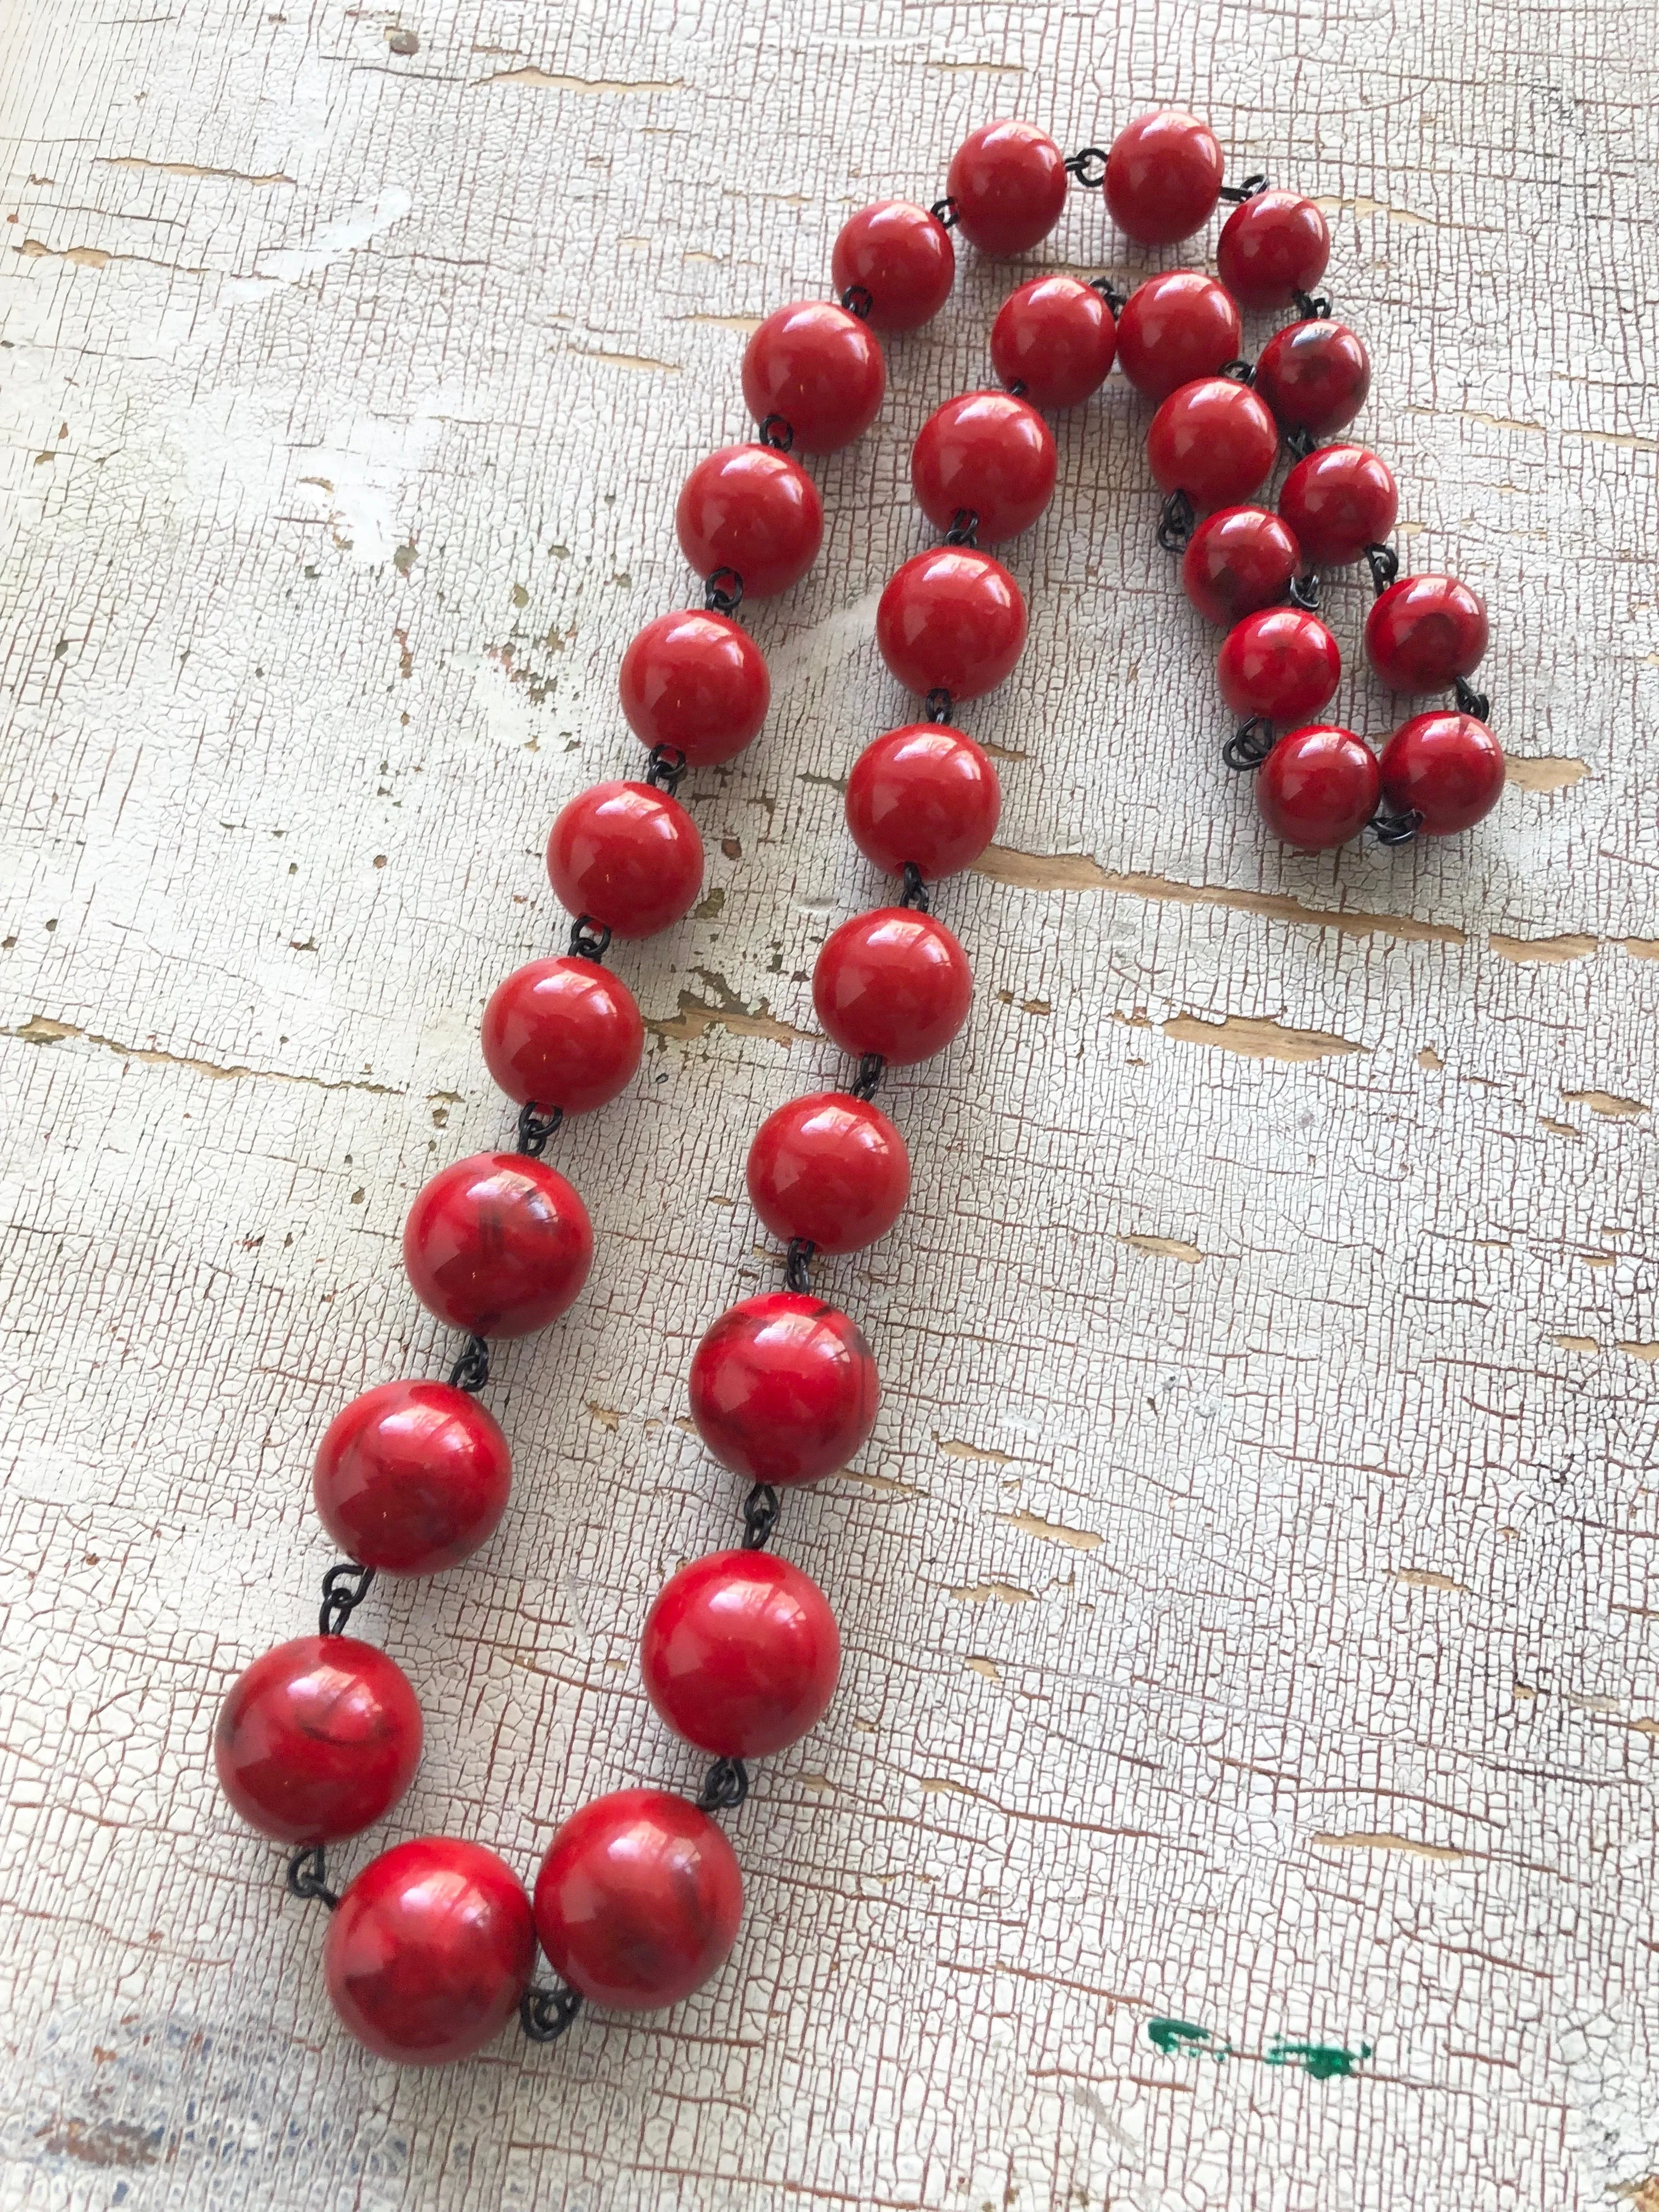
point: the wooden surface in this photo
(1248, 1591)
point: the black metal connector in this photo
(1175, 523)
(1471, 702)
(964, 528)
(722, 591)
(535, 1129)
(1249, 744)
(1384, 564)
(668, 769)
(471, 1370)
(545, 2014)
(915, 892)
(1395, 829)
(760, 1516)
(1235, 193)
(589, 940)
(858, 300)
(863, 1085)
(724, 1787)
(345, 1588)
(797, 1263)
(938, 704)
(307, 1878)
(777, 433)
(1088, 165)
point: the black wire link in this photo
(1234, 193)
(938, 704)
(859, 300)
(760, 1516)
(863, 1085)
(1301, 443)
(471, 1370)
(1017, 389)
(1304, 592)
(1311, 306)
(964, 528)
(1116, 301)
(1249, 744)
(777, 433)
(668, 769)
(1471, 702)
(1396, 828)
(589, 940)
(724, 1787)
(915, 892)
(797, 1261)
(722, 591)
(345, 1588)
(1238, 372)
(1175, 523)
(1384, 564)
(545, 2014)
(535, 1129)
(1088, 165)
(944, 213)
(307, 1878)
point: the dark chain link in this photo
(1238, 371)
(345, 1588)
(535, 1129)
(1304, 592)
(1471, 702)
(915, 892)
(797, 1262)
(944, 213)
(668, 769)
(964, 528)
(545, 2014)
(863, 1085)
(589, 940)
(722, 591)
(938, 704)
(1175, 523)
(1088, 165)
(1234, 193)
(1384, 564)
(307, 1878)
(777, 433)
(1018, 388)
(724, 1787)
(1396, 828)
(1311, 306)
(471, 1370)
(859, 300)
(1301, 443)
(760, 1516)
(1249, 744)
(1116, 301)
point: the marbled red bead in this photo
(892, 982)
(628, 856)
(318, 1738)
(1314, 376)
(411, 1477)
(1055, 336)
(1008, 181)
(985, 454)
(1239, 560)
(830, 1169)
(1318, 787)
(784, 1388)
(924, 795)
(820, 369)
(740, 1654)
(1162, 177)
(1424, 632)
(697, 682)
(1449, 767)
(951, 619)
(498, 1244)
(1281, 662)
(902, 255)
(1338, 501)
(753, 510)
(1213, 439)
(1272, 247)
(563, 1032)
(1175, 328)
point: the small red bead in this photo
(1214, 440)
(1054, 336)
(784, 1388)
(1239, 560)
(1162, 177)
(562, 1032)
(1314, 376)
(696, 682)
(1272, 247)
(740, 1654)
(1338, 501)
(1008, 181)
(638, 1901)
(902, 257)
(429, 1951)
(1282, 663)
(986, 454)
(924, 795)
(818, 368)
(498, 1244)
(411, 1477)
(1447, 766)
(1174, 328)
(950, 620)
(895, 982)
(753, 510)
(1424, 632)
(830, 1169)
(1318, 787)
(627, 856)
(318, 1738)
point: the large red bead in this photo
(951, 619)
(902, 255)
(1281, 662)
(1272, 247)
(562, 1032)
(831, 1168)
(498, 1244)
(1175, 328)
(753, 510)
(318, 1738)
(740, 1654)
(892, 982)
(1314, 376)
(1448, 766)
(1056, 337)
(820, 369)
(1338, 501)
(1214, 440)
(1162, 177)
(627, 856)
(1318, 787)
(988, 454)
(411, 1477)
(696, 682)
(784, 1388)
(1424, 632)
(1239, 560)
(925, 794)
(638, 1901)
(1008, 181)
(429, 1951)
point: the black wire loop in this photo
(1311, 306)
(307, 1878)
(1471, 702)
(1304, 592)
(777, 433)
(1234, 193)
(1384, 564)
(797, 1261)
(859, 300)
(938, 704)
(535, 1129)
(1088, 165)
(667, 768)
(724, 1787)
(1396, 828)
(1301, 443)
(471, 1370)
(545, 2014)
(1175, 523)
(589, 940)
(1116, 301)
(964, 528)
(1017, 389)
(760, 1516)
(944, 213)
(863, 1085)
(722, 591)
(345, 1588)
(1249, 744)
(1238, 372)
(915, 892)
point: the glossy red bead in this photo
(925, 794)
(902, 257)
(1338, 501)
(831, 1168)
(1314, 376)
(697, 682)
(1008, 181)
(562, 1032)
(1162, 177)
(1271, 247)
(429, 1951)
(985, 454)
(753, 510)
(318, 1738)
(820, 369)
(892, 982)
(740, 1654)
(1449, 767)
(638, 1901)
(1318, 787)
(784, 1388)
(1175, 328)
(498, 1244)
(1424, 632)
(628, 856)
(1213, 439)
(1056, 337)
(1281, 662)
(1239, 560)
(951, 619)
(411, 1477)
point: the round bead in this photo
(562, 1032)
(1271, 247)
(989, 455)
(697, 682)
(740, 1654)
(1448, 766)
(318, 1738)
(498, 1244)
(1282, 663)
(1174, 328)
(1008, 181)
(902, 257)
(429, 1951)
(892, 982)
(1424, 632)
(1239, 560)
(1214, 440)
(1318, 787)
(1314, 376)
(1055, 336)
(753, 510)
(627, 856)
(830, 1169)
(411, 1477)
(820, 369)
(784, 1388)
(638, 1901)
(1162, 177)
(951, 619)
(924, 795)
(1338, 501)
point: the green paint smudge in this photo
(1325, 2062)
(1184, 2037)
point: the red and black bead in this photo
(1055, 337)
(1162, 177)
(784, 1388)
(1239, 560)
(894, 982)
(818, 368)
(317, 1740)
(950, 620)
(985, 454)
(752, 511)
(628, 856)
(924, 796)
(1274, 246)
(740, 1654)
(901, 257)
(1281, 665)
(411, 1477)
(696, 683)
(1447, 768)
(1175, 328)
(829, 1171)
(1424, 632)
(1215, 441)
(1008, 184)
(1314, 376)
(1318, 787)
(1338, 501)
(498, 1244)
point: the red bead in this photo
(1314, 376)
(638, 1901)
(318, 1738)
(1338, 501)
(784, 1388)
(1174, 328)
(1162, 177)
(627, 856)
(429, 1951)
(1282, 663)
(1318, 787)
(1008, 181)
(830, 1169)
(989, 455)
(740, 1654)
(950, 620)
(895, 982)
(696, 682)
(411, 1477)
(1055, 336)
(753, 510)
(902, 257)
(498, 1244)
(820, 369)
(1236, 560)
(563, 1033)
(1447, 766)
(924, 795)
(1272, 247)
(1424, 632)
(1214, 440)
